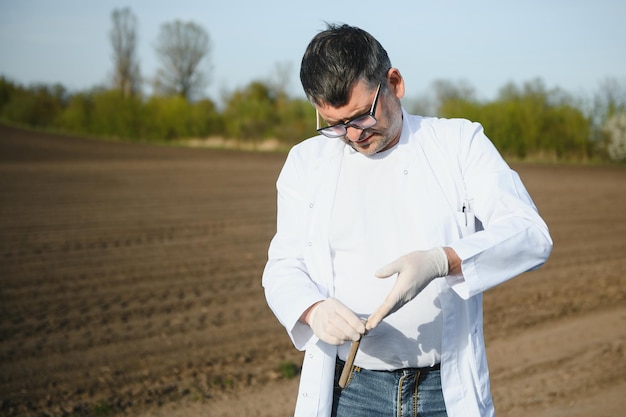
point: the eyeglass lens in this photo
(360, 122)
(363, 122)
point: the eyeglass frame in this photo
(350, 123)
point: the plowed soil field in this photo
(130, 285)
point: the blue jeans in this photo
(402, 393)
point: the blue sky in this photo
(571, 44)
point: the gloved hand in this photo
(415, 271)
(334, 323)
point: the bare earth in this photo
(130, 285)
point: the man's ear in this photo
(396, 82)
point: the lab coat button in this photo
(406, 172)
(310, 243)
(310, 205)
(304, 394)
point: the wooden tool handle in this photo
(347, 367)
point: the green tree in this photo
(205, 119)
(526, 121)
(77, 115)
(168, 118)
(116, 116)
(7, 90)
(36, 106)
(250, 113)
(296, 120)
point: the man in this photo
(390, 226)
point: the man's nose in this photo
(353, 133)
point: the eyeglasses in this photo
(364, 121)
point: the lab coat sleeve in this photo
(514, 238)
(289, 289)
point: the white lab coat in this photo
(471, 174)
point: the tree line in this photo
(250, 114)
(524, 122)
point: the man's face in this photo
(380, 137)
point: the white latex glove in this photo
(334, 323)
(415, 271)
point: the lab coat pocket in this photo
(479, 367)
(466, 220)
